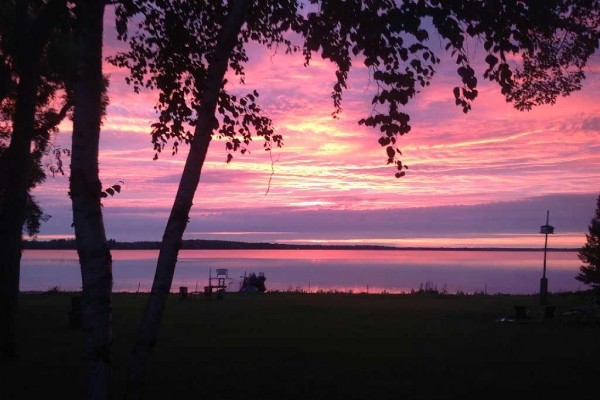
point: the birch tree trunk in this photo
(171, 242)
(31, 40)
(85, 189)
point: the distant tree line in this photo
(202, 244)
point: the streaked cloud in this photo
(504, 224)
(330, 182)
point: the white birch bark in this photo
(171, 242)
(85, 189)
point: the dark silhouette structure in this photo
(254, 283)
(590, 253)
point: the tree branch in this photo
(55, 120)
(44, 23)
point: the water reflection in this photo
(326, 270)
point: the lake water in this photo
(313, 270)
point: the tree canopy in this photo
(166, 54)
(589, 273)
(535, 51)
(53, 101)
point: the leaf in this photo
(456, 92)
(422, 35)
(110, 191)
(403, 54)
(384, 141)
(390, 151)
(491, 60)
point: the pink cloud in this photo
(492, 154)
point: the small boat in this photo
(253, 283)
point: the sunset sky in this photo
(481, 179)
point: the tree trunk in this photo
(31, 40)
(14, 207)
(171, 242)
(85, 189)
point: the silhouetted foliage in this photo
(31, 74)
(554, 40)
(53, 100)
(590, 253)
(112, 190)
(535, 51)
(37, 79)
(171, 51)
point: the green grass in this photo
(322, 346)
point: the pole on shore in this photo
(546, 230)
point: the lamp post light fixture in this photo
(546, 230)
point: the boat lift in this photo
(217, 283)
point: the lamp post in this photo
(546, 230)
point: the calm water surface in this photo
(356, 270)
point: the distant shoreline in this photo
(69, 244)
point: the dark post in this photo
(545, 229)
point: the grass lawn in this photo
(322, 346)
